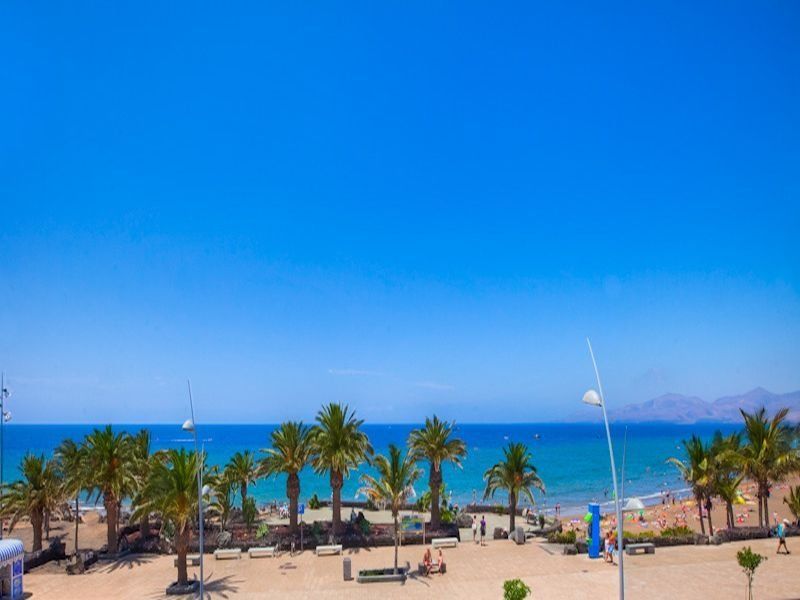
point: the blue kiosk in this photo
(12, 555)
(594, 531)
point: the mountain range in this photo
(677, 408)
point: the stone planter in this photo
(382, 575)
(181, 590)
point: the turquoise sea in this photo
(572, 459)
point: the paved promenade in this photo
(473, 572)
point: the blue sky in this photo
(409, 207)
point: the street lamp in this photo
(4, 417)
(189, 426)
(593, 398)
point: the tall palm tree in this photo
(171, 492)
(243, 470)
(396, 474)
(112, 474)
(768, 455)
(144, 460)
(436, 443)
(695, 470)
(33, 495)
(289, 454)
(793, 501)
(338, 445)
(223, 489)
(72, 463)
(517, 475)
(725, 474)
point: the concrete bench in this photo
(450, 542)
(191, 559)
(645, 548)
(228, 553)
(434, 568)
(332, 549)
(261, 552)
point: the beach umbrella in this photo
(633, 504)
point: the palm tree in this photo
(72, 463)
(725, 474)
(243, 470)
(171, 492)
(436, 443)
(32, 496)
(338, 445)
(144, 460)
(223, 490)
(793, 500)
(768, 456)
(517, 475)
(289, 454)
(396, 475)
(111, 466)
(695, 471)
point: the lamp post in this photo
(189, 425)
(595, 399)
(4, 394)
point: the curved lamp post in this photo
(189, 426)
(597, 399)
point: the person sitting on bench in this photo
(427, 561)
(440, 562)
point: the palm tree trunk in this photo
(729, 513)
(47, 525)
(708, 510)
(182, 547)
(699, 500)
(293, 491)
(144, 527)
(336, 487)
(760, 507)
(36, 524)
(766, 509)
(77, 522)
(396, 540)
(512, 511)
(111, 522)
(243, 491)
(435, 482)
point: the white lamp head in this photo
(593, 398)
(206, 490)
(188, 425)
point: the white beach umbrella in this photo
(633, 504)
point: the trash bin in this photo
(347, 570)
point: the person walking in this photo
(475, 528)
(782, 536)
(483, 529)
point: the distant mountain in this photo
(677, 408)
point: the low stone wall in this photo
(56, 551)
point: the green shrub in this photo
(562, 537)
(515, 589)
(316, 529)
(249, 512)
(314, 503)
(262, 531)
(643, 536)
(679, 531)
(499, 509)
(364, 526)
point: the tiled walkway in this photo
(473, 572)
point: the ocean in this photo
(571, 459)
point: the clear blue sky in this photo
(408, 207)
